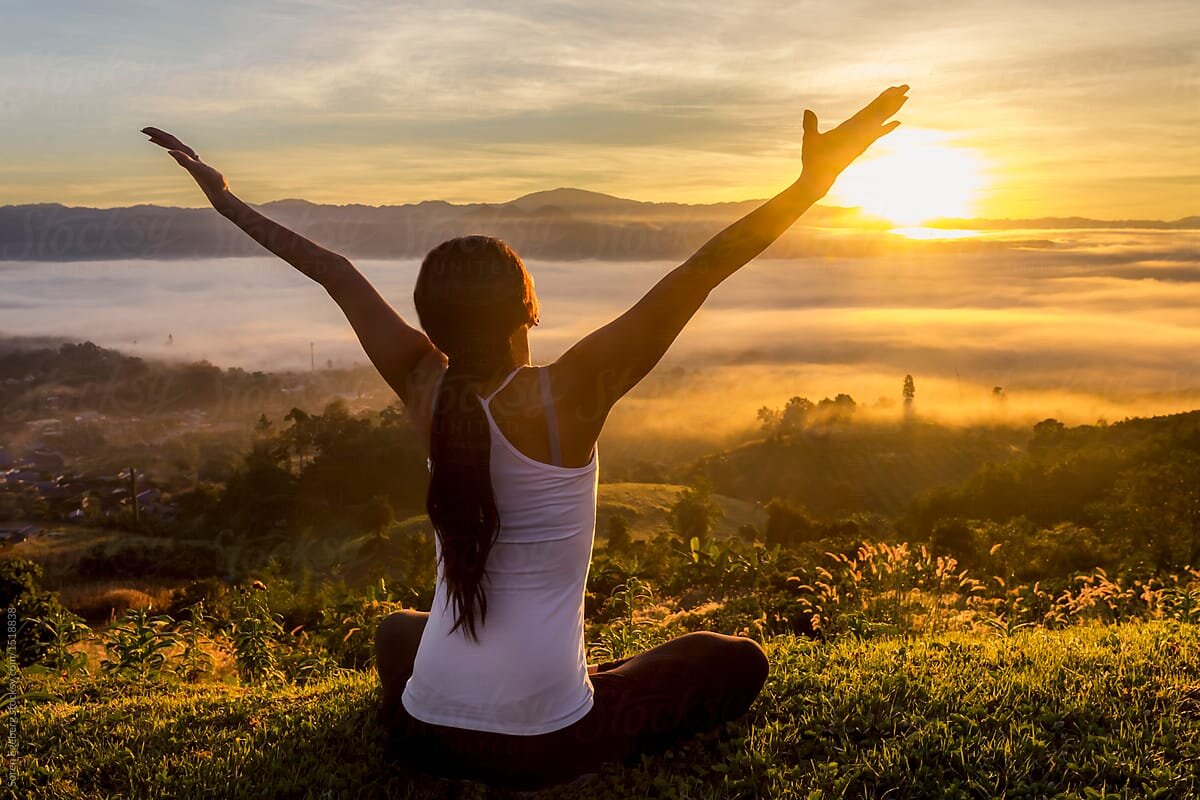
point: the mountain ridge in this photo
(564, 223)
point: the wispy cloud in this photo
(375, 102)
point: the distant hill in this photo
(1063, 223)
(558, 224)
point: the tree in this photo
(795, 414)
(954, 537)
(378, 516)
(910, 393)
(788, 524)
(770, 420)
(694, 511)
(1158, 507)
(1046, 435)
(619, 540)
(748, 533)
(839, 410)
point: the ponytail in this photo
(461, 502)
(473, 293)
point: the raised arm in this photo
(596, 372)
(394, 347)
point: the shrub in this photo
(137, 646)
(36, 616)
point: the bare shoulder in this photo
(580, 397)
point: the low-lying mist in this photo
(1079, 325)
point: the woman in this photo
(492, 682)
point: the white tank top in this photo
(527, 674)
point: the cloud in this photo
(375, 102)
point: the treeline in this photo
(814, 457)
(1135, 485)
(1120, 496)
(336, 472)
(42, 381)
(86, 377)
(801, 414)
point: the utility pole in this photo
(312, 358)
(133, 499)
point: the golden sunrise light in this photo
(915, 176)
(543, 390)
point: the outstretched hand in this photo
(210, 180)
(825, 155)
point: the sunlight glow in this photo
(934, 233)
(914, 177)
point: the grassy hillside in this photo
(1084, 712)
(96, 570)
(647, 507)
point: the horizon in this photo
(608, 195)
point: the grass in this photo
(1090, 711)
(647, 508)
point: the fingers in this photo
(809, 123)
(890, 101)
(885, 105)
(183, 158)
(891, 126)
(168, 141)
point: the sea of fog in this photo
(1079, 325)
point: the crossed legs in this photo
(643, 704)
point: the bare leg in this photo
(684, 686)
(396, 642)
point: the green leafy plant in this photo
(627, 635)
(138, 645)
(194, 660)
(256, 635)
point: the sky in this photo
(1065, 108)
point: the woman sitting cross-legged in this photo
(492, 683)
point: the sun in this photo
(912, 176)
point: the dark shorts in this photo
(642, 704)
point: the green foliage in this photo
(1136, 482)
(42, 629)
(347, 628)
(694, 511)
(889, 589)
(617, 538)
(836, 468)
(194, 660)
(629, 633)
(138, 645)
(913, 653)
(1158, 505)
(322, 465)
(257, 635)
(170, 558)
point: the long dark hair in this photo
(472, 294)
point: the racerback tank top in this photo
(527, 673)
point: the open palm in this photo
(826, 154)
(211, 181)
